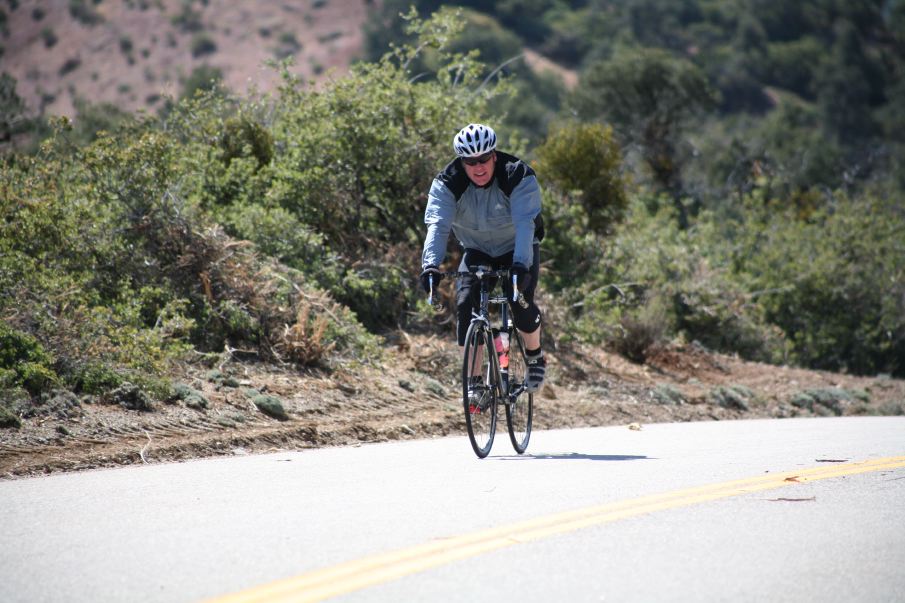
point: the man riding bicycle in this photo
(492, 202)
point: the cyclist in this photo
(491, 201)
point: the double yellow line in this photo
(355, 575)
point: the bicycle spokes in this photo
(479, 389)
(519, 402)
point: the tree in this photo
(847, 84)
(583, 161)
(649, 97)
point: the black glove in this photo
(522, 276)
(431, 273)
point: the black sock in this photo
(532, 352)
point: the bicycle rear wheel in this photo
(519, 403)
(479, 389)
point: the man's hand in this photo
(522, 277)
(430, 275)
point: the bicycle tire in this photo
(480, 414)
(519, 402)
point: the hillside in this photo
(133, 54)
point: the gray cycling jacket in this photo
(498, 218)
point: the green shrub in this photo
(831, 282)
(584, 163)
(17, 347)
(892, 408)
(244, 137)
(96, 379)
(733, 396)
(271, 406)
(8, 378)
(641, 329)
(830, 400)
(130, 397)
(202, 44)
(653, 281)
(668, 395)
(37, 378)
(83, 12)
(192, 397)
(8, 418)
(24, 362)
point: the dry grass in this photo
(304, 342)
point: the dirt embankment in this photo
(234, 409)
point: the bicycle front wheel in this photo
(519, 403)
(479, 389)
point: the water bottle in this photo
(501, 343)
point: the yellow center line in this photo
(384, 567)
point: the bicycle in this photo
(494, 374)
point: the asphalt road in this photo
(789, 510)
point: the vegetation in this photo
(719, 174)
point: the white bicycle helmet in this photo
(474, 140)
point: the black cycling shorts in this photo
(468, 291)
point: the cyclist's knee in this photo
(526, 320)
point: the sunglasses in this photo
(482, 159)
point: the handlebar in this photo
(481, 272)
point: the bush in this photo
(130, 397)
(8, 418)
(652, 281)
(732, 396)
(271, 406)
(37, 378)
(19, 347)
(641, 330)
(24, 362)
(202, 44)
(831, 400)
(192, 397)
(584, 163)
(96, 379)
(831, 282)
(83, 12)
(131, 272)
(244, 137)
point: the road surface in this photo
(787, 510)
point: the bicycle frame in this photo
(482, 315)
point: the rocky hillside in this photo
(134, 53)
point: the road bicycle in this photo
(494, 367)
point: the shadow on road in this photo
(572, 456)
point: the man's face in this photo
(481, 172)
